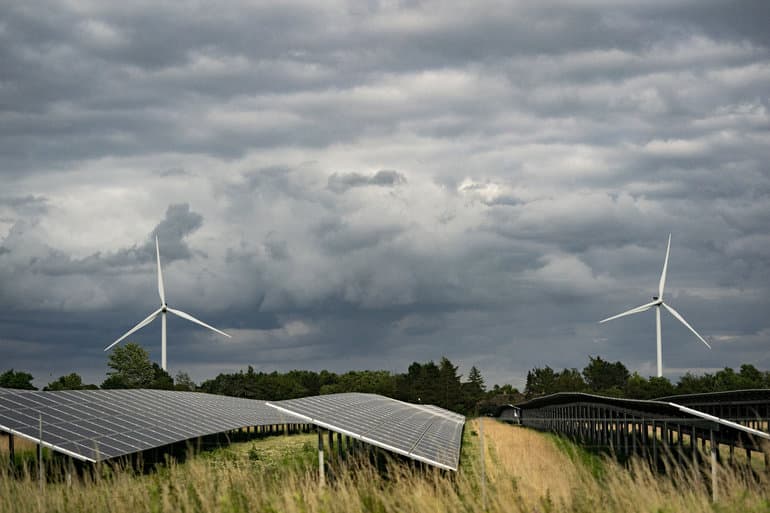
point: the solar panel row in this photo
(424, 433)
(95, 425)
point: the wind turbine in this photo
(164, 308)
(657, 302)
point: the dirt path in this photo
(538, 467)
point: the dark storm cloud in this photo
(549, 147)
(383, 178)
(178, 223)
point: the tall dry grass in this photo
(526, 471)
(549, 474)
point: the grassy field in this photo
(525, 471)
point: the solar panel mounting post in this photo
(321, 474)
(713, 466)
(11, 452)
(694, 447)
(40, 451)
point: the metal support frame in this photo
(694, 449)
(40, 474)
(321, 470)
(599, 424)
(714, 448)
(11, 451)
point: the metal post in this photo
(713, 467)
(655, 445)
(40, 451)
(694, 447)
(11, 451)
(679, 444)
(579, 415)
(321, 473)
(603, 426)
(339, 444)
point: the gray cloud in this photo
(177, 224)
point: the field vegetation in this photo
(524, 471)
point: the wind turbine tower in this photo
(657, 302)
(162, 311)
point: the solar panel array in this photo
(424, 433)
(96, 425)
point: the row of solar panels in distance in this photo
(430, 433)
(99, 425)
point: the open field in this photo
(525, 471)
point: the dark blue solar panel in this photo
(426, 433)
(102, 424)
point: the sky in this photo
(361, 185)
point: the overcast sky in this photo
(363, 185)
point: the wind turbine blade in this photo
(662, 283)
(681, 319)
(139, 326)
(160, 274)
(638, 309)
(189, 317)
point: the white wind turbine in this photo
(657, 303)
(162, 312)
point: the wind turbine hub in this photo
(164, 308)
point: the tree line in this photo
(427, 383)
(613, 379)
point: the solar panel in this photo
(424, 433)
(95, 425)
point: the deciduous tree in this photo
(16, 379)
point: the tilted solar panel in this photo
(95, 425)
(425, 433)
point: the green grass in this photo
(592, 461)
(296, 452)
